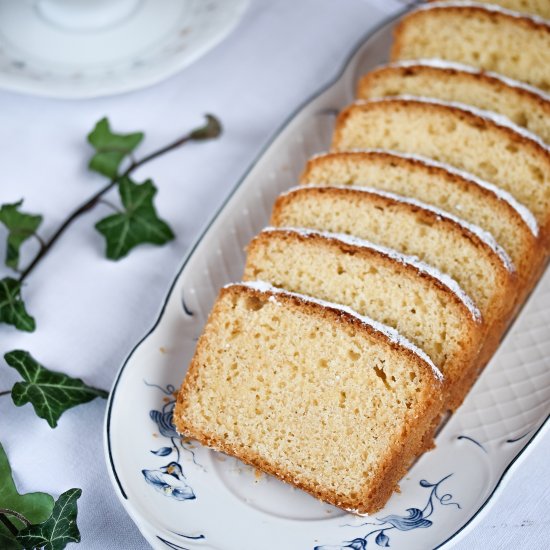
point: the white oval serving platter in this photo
(184, 496)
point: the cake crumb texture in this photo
(491, 39)
(282, 384)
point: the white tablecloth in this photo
(90, 311)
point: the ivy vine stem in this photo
(4, 512)
(109, 204)
(39, 239)
(195, 135)
(11, 527)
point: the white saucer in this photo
(89, 48)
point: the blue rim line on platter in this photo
(476, 517)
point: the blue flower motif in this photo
(163, 451)
(382, 539)
(163, 419)
(170, 481)
(414, 520)
(355, 544)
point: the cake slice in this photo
(486, 145)
(532, 7)
(462, 251)
(421, 303)
(311, 392)
(443, 186)
(477, 34)
(522, 104)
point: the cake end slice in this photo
(311, 393)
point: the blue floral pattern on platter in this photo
(169, 479)
(414, 519)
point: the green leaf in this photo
(12, 307)
(50, 393)
(8, 540)
(212, 129)
(111, 149)
(59, 529)
(21, 226)
(35, 507)
(138, 223)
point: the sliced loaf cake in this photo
(421, 303)
(532, 7)
(481, 35)
(524, 105)
(486, 145)
(311, 392)
(463, 252)
(443, 186)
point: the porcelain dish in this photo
(182, 495)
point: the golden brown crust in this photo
(406, 270)
(470, 118)
(460, 365)
(428, 217)
(442, 175)
(483, 124)
(416, 440)
(332, 315)
(368, 80)
(371, 500)
(494, 338)
(531, 246)
(509, 5)
(502, 305)
(465, 11)
(406, 447)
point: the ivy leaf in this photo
(59, 529)
(111, 148)
(137, 224)
(35, 507)
(50, 393)
(21, 226)
(12, 307)
(7, 539)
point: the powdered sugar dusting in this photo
(524, 212)
(499, 120)
(487, 7)
(413, 261)
(444, 64)
(295, 188)
(482, 235)
(389, 332)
